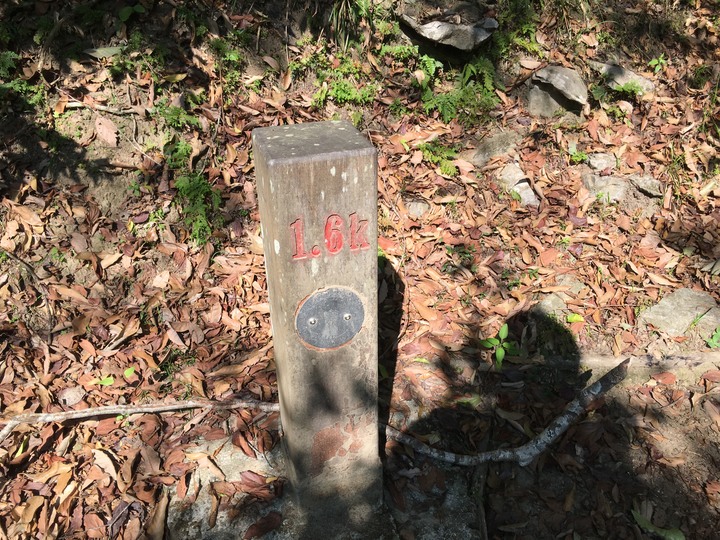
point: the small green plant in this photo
(320, 97)
(472, 96)
(175, 117)
(199, 200)
(157, 217)
(700, 76)
(345, 18)
(400, 53)
(356, 117)
(616, 113)
(658, 64)
(461, 256)
(56, 255)
(34, 95)
(177, 152)
(428, 69)
(343, 91)
(501, 346)
(397, 108)
(229, 58)
(7, 63)
(577, 156)
(630, 89)
(128, 11)
(518, 22)
(134, 188)
(441, 156)
(714, 341)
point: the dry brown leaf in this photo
(107, 131)
(712, 410)
(156, 524)
(665, 378)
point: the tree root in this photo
(524, 454)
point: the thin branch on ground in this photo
(524, 454)
(126, 410)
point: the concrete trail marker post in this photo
(317, 193)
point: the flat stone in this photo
(618, 76)
(648, 185)
(417, 208)
(606, 188)
(510, 175)
(602, 161)
(678, 312)
(551, 304)
(527, 194)
(496, 145)
(566, 80)
(190, 520)
(542, 103)
(465, 37)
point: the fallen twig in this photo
(524, 454)
(125, 410)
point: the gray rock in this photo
(496, 145)
(191, 520)
(618, 76)
(678, 312)
(566, 81)
(648, 185)
(513, 179)
(527, 194)
(510, 175)
(551, 304)
(417, 208)
(602, 161)
(606, 188)
(465, 37)
(541, 103)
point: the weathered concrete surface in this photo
(682, 311)
(197, 516)
(317, 194)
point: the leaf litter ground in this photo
(107, 299)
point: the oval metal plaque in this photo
(329, 318)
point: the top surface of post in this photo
(312, 140)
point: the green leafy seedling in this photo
(714, 341)
(106, 381)
(658, 64)
(501, 346)
(129, 11)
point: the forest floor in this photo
(131, 263)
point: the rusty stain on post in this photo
(317, 193)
